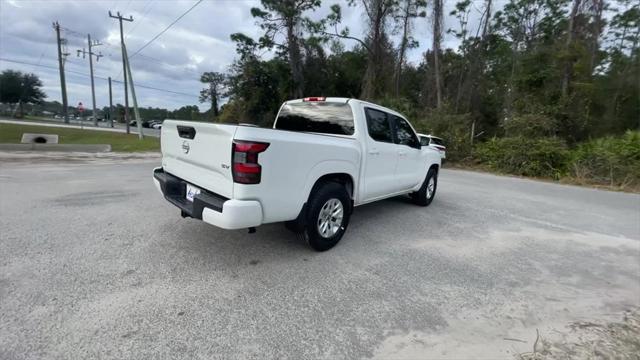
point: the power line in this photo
(97, 77)
(165, 29)
(145, 11)
(158, 89)
(158, 61)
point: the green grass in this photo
(10, 133)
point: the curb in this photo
(88, 148)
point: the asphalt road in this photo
(95, 264)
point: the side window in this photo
(378, 125)
(424, 141)
(405, 134)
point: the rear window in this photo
(436, 141)
(319, 117)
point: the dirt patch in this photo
(590, 340)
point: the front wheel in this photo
(424, 196)
(329, 209)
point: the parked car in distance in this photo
(145, 123)
(157, 125)
(322, 158)
(153, 123)
(435, 143)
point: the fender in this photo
(329, 167)
(431, 158)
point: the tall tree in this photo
(532, 29)
(377, 14)
(571, 30)
(461, 12)
(213, 92)
(408, 10)
(437, 39)
(20, 88)
(624, 57)
(477, 67)
(597, 25)
(255, 87)
(286, 16)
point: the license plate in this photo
(191, 192)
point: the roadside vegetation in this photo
(541, 88)
(544, 88)
(612, 161)
(120, 142)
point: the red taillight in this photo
(244, 156)
(315, 98)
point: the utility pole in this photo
(124, 66)
(93, 89)
(133, 96)
(110, 104)
(63, 84)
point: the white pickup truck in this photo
(323, 157)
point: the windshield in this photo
(319, 117)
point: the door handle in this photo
(402, 153)
(374, 152)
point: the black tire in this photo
(320, 196)
(423, 197)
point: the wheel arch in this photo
(345, 178)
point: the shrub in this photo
(614, 161)
(530, 125)
(544, 157)
(454, 129)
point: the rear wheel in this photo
(424, 196)
(327, 218)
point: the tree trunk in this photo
(487, 21)
(295, 61)
(597, 31)
(437, 34)
(369, 91)
(568, 67)
(403, 45)
(476, 68)
(510, 85)
(214, 101)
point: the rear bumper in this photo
(207, 206)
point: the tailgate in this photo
(199, 153)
